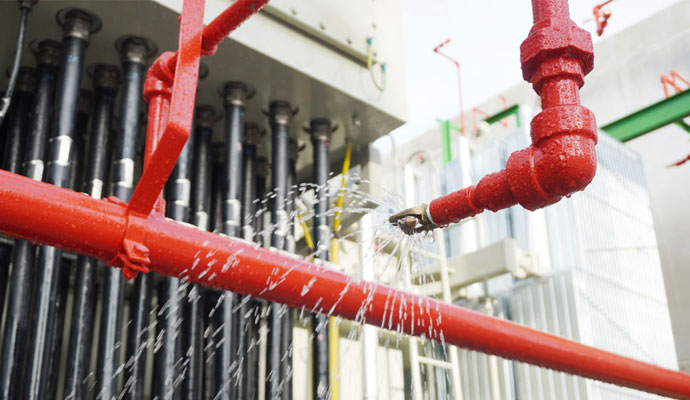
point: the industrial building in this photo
(210, 199)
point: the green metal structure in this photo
(668, 111)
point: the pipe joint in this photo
(206, 116)
(47, 52)
(26, 79)
(554, 38)
(236, 93)
(78, 23)
(321, 129)
(280, 112)
(160, 77)
(105, 76)
(136, 49)
(253, 133)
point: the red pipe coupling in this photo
(555, 57)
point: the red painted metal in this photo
(43, 213)
(672, 80)
(170, 91)
(561, 160)
(228, 21)
(438, 51)
(601, 17)
(138, 239)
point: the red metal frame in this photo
(59, 217)
(438, 51)
(601, 17)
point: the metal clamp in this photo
(133, 256)
(413, 220)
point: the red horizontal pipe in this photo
(562, 158)
(59, 217)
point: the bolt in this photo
(47, 51)
(136, 49)
(236, 92)
(104, 75)
(77, 22)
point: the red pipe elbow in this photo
(562, 158)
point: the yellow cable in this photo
(333, 332)
(307, 235)
(370, 66)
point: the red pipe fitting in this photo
(555, 57)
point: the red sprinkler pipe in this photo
(561, 160)
(42, 213)
(59, 217)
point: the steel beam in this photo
(667, 111)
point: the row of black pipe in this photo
(206, 342)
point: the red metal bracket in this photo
(601, 18)
(170, 90)
(438, 51)
(672, 80)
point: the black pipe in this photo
(321, 130)
(288, 319)
(14, 350)
(106, 79)
(231, 326)
(24, 10)
(16, 129)
(18, 120)
(212, 297)
(262, 166)
(5, 260)
(77, 26)
(280, 116)
(193, 308)
(167, 356)
(134, 53)
(249, 311)
(84, 108)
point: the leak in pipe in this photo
(321, 131)
(561, 160)
(77, 26)
(106, 80)
(56, 216)
(47, 52)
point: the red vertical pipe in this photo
(561, 160)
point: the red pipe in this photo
(437, 50)
(100, 228)
(228, 21)
(562, 159)
(59, 217)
